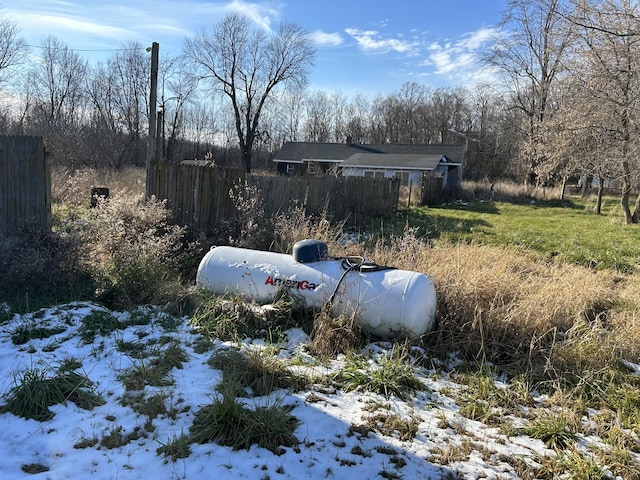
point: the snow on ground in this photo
(59, 448)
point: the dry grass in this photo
(289, 227)
(503, 191)
(503, 304)
(75, 186)
(334, 334)
(409, 197)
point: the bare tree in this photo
(13, 49)
(59, 78)
(57, 110)
(412, 98)
(118, 95)
(318, 117)
(385, 119)
(610, 64)
(529, 51)
(291, 105)
(177, 87)
(249, 65)
(450, 113)
(492, 124)
(577, 139)
(357, 119)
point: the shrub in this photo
(248, 227)
(135, 251)
(38, 267)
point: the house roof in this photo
(403, 161)
(298, 152)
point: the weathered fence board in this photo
(25, 183)
(341, 197)
(199, 195)
(431, 190)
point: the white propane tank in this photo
(387, 302)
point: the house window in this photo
(291, 168)
(312, 168)
(403, 176)
(374, 173)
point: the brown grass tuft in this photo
(503, 191)
(75, 186)
(507, 305)
(334, 334)
(503, 304)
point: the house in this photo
(409, 162)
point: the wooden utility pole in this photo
(153, 94)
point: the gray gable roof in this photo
(298, 152)
(403, 161)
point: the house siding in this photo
(365, 160)
(414, 176)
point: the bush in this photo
(135, 252)
(38, 267)
(248, 227)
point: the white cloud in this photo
(458, 56)
(261, 15)
(441, 60)
(52, 22)
(371, 40)
(477, 39)
(321, 38)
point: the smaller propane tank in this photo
(387, 302)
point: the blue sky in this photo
(363, 46)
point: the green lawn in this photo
(568, 230)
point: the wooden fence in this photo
(431, 190)
(199, 195)
(25, 183)
(349, 198)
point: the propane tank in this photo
(387, 302)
